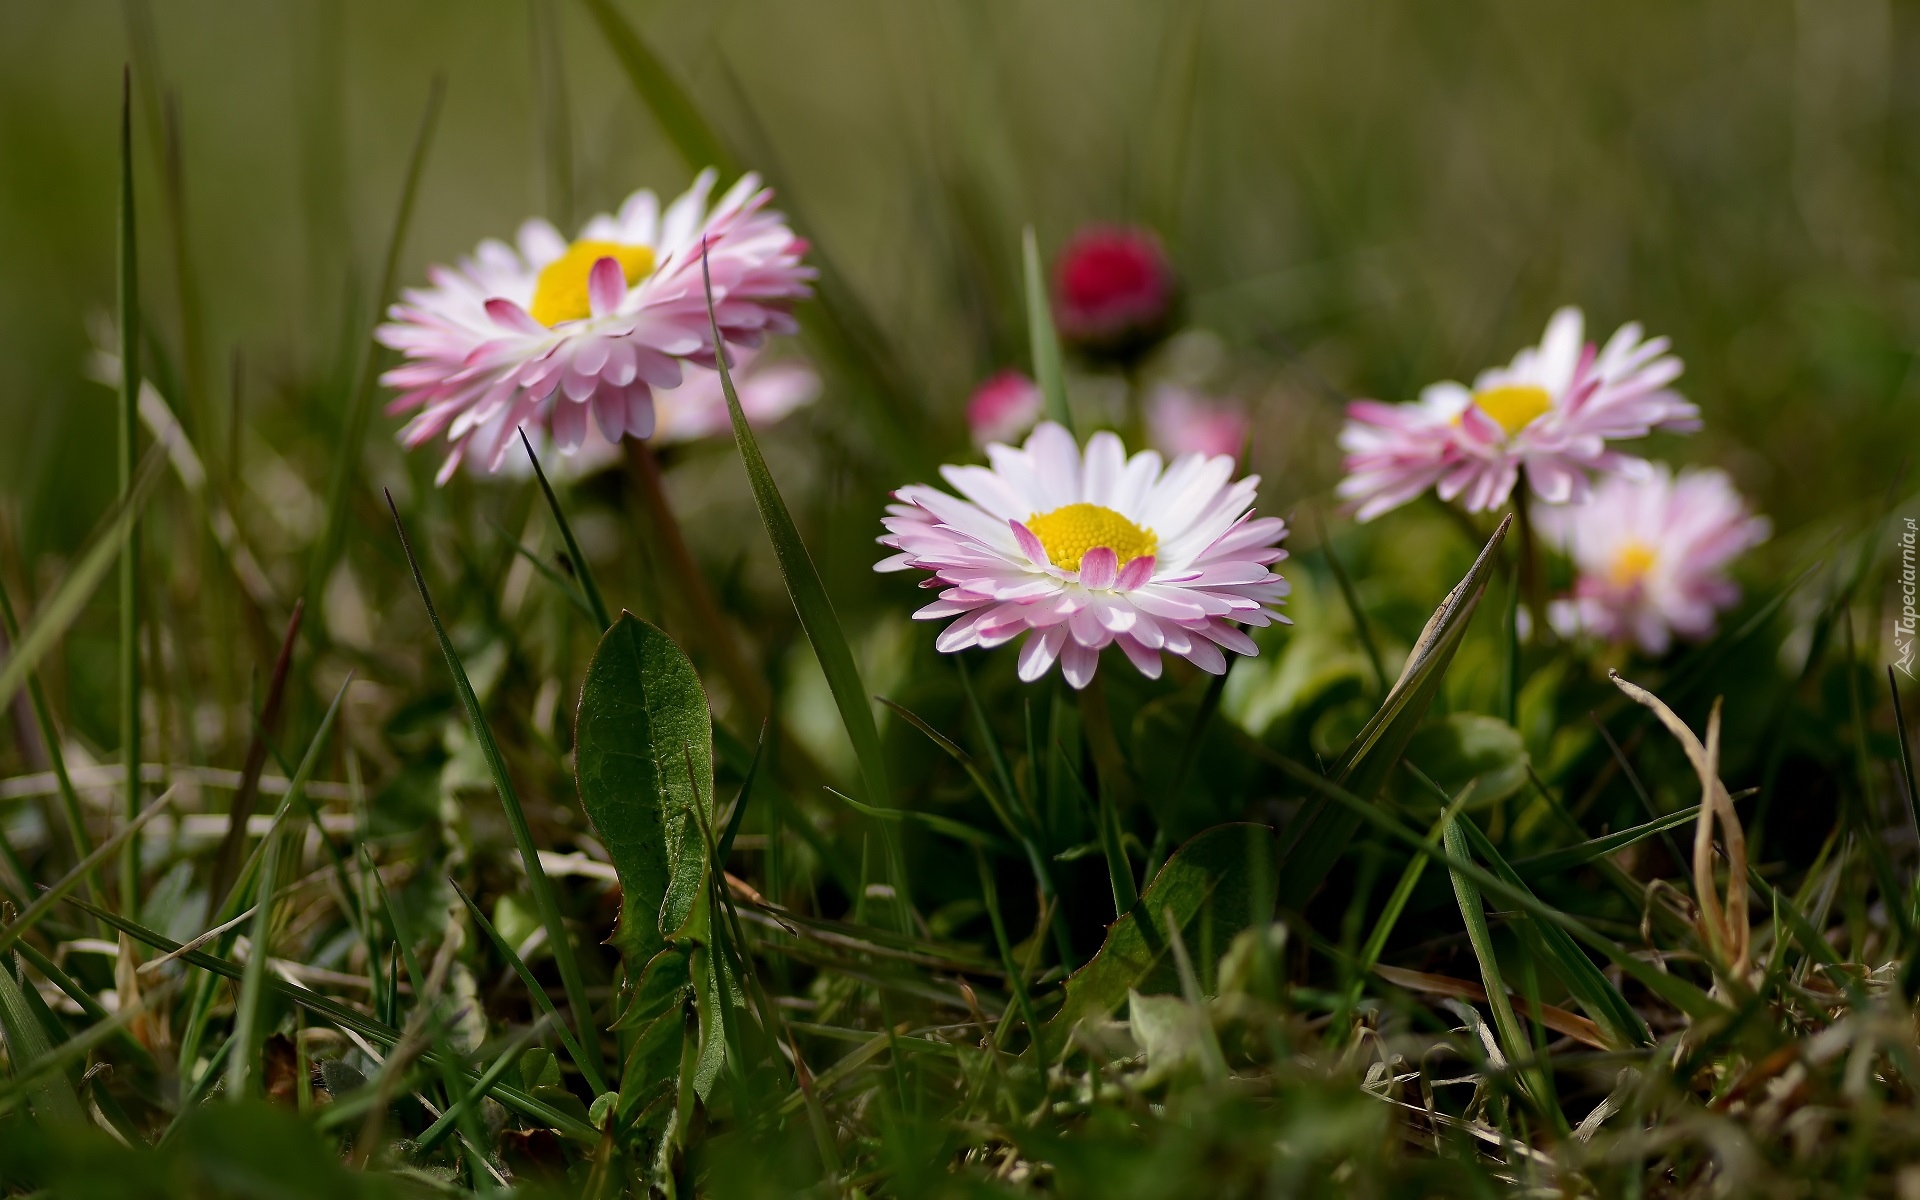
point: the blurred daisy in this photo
(1183, 421)
(769, 393)
(1003, 408)
(1551, 411)
(1080, 550)
(1652, 556)
(1115, 290)
(549, 331)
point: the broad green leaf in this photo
(1314, 840)
(1208, 885)
(643, 758)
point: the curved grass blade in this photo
(243, 1065)
(1315, 839)
(346, 453)
(740, 802)
(82, 844)
(31, 914)
(678, 116)
(481, 1086)
(958, 830)
(596, 607)
(546, 572)
(537, 882)
(1556, 862)
(1048, 370)
(51, 1092)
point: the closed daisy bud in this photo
(1183, 421)
(1551, 412)
(1652, 553)
(1114, 291)
(1081, 550)
(558, 335)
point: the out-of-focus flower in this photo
(1552, 411)
(1003, 408)
(697, 408)
(1114, 289)
(547, 331)
(1652, 556)
(1079, 550)
(1183, 421)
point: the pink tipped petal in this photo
(1145, 660)
(1134, 574)
(1078, 664)
(1099, 568)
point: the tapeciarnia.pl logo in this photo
(1906, 619)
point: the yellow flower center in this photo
(561, 293)
(1070, 531)
(1630, 565)
(1514, 406)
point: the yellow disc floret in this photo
(1514, 406)
(1630, 564)
(1070, 531)
(561, 294)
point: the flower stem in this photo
(1532, 583)
(703, 610)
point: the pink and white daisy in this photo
(1551, 411)
(548, 331)
(769, 393)
(1183, 421)
(1652, 556)
(1003, 408)
(1081, 550)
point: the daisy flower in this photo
(548, 331)
(769, 393)
(1652, 556)
(1183, 421)
(1552, 411)
(1003, 408)
(1084, 549)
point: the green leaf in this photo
(643, 718)
(588, 1066)
(679, 117)
(1048, 371)
(1558, 862)
(1208, 884)
(1314, 840)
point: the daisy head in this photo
(1079, 550)
(1651, 554)
(1552, 411)
(558, 334)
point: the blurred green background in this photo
(1361, 197)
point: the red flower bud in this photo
(1114, 290)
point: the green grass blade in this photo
(1557, 862)
(343, 1015)
(814, 608)
(1362, 627)
(548, 573)
(51, 1092)
(1048, 370)
(1389, 916)
(1906, 751)
(495, 1071)
(596, 607)
(1315, 839)
(1593, 990)
(243, 1065)
(346, 453)
(1516, 1043)
(746, 794)
(129, 317)
(537, 882)
(589, 1068)
(678, 116)
(31, 914)
(77, 836)
(1674, 990)
(70, 596)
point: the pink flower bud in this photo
(1114, 289)
(1180, 421)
